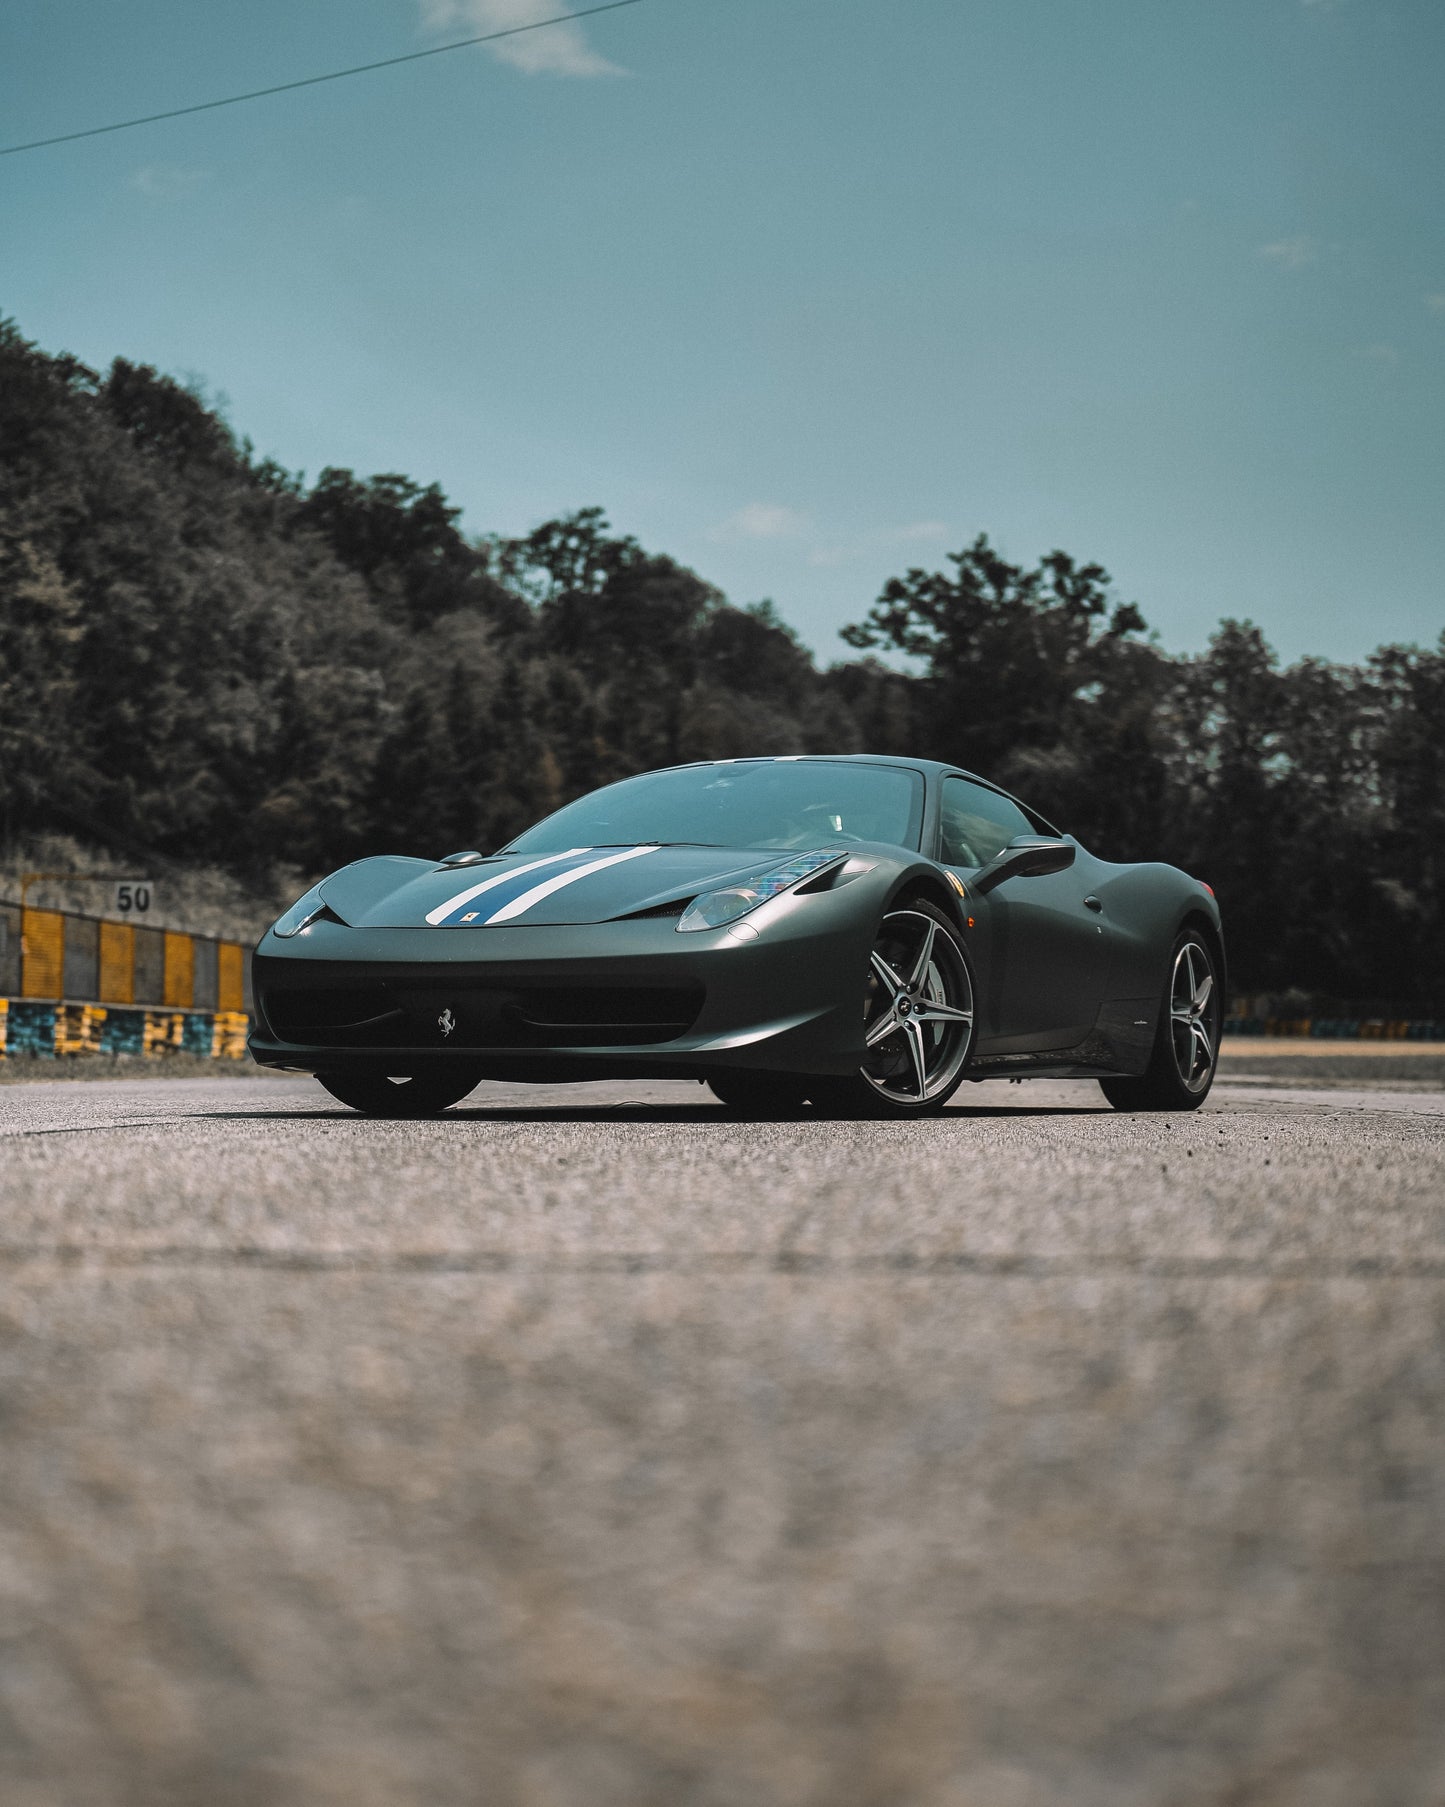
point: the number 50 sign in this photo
(133, 896)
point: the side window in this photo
(977, 824)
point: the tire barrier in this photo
(74, 985)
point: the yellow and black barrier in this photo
(1338, 1028)
(36, 1027)
(72, 985)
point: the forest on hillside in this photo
(205, 655)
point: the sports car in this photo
(855, 935)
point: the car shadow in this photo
(647, 1113)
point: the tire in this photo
(760, 1095)
(404, 1095)
(1185, 1056)
(918, 1005)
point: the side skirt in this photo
(1117, 1047)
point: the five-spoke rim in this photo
(1192, 1016)
(917, 1009)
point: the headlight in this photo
(715, 909)
(304, 910)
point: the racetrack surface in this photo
(588, 1449)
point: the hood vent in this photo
(664, 910)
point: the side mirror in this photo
(1028, 856)
(470, 858)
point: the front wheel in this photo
(917, 1021)
(759, 1094)
(1186, 1044)
(405, 1095)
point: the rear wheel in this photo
(917, 1021)
(401, 1095)
(1186, 1043)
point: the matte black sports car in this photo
(858, 934)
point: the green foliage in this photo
(1312, 799)
(402, 540)
(203, 654)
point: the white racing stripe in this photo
(498, 878)
(548, 885)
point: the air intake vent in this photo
(668, 910)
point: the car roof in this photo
(935, 768)
(931, 769)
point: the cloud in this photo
(1436, 302)
(914, 533)
(167, 181)
(774, 521)
(555, 50)
(1291, 253)
(760, 521)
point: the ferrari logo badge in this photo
(446, 1022)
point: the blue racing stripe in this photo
(478, 909)
(548, 887)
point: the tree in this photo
(403, 541)
(202, 655)
(1015, 659)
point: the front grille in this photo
(435, 1013)
(611, 1006)
(296, 1015)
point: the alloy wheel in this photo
(1193, 1009)
(917, 1010)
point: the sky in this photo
(803, 292)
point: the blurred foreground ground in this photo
(586, 1449)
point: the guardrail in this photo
(73, 984)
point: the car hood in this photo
(586, 884)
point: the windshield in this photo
(743, 803)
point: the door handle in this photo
(1092, 903)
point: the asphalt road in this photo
(586, 1449)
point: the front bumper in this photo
(629, 999)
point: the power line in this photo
(311, 81)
